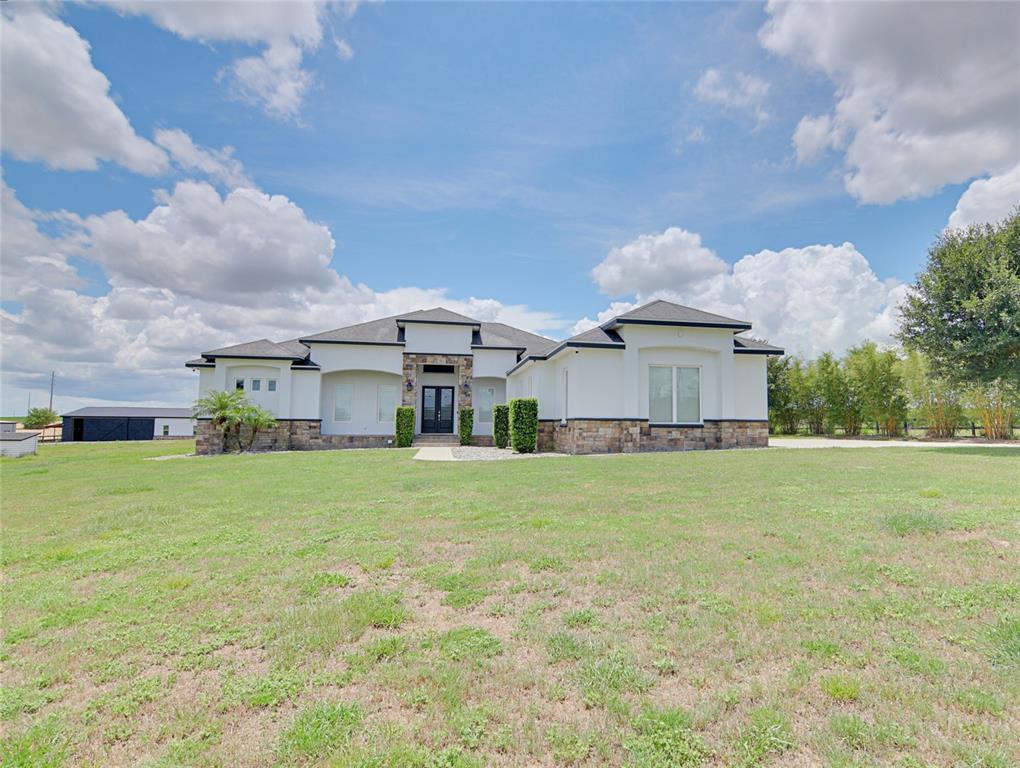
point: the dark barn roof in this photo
(117, 412)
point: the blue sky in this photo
(503, 151)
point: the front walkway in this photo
(475, 453)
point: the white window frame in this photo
(350, 401)
(380, 416)
(256, 385)
(676, 392)
(270, 385)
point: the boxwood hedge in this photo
(405, 426)
(524, 424)
(467, 425)
(501, 425)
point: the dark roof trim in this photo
(401, 321)
(567, 345)
(254, 357)
(496, 346)
(688, 323)
(775, 351)
(349, 341)
(199, 365)
(305, 368)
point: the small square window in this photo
(271, 385)
(256, 385)
(239, 384)
(166, 430)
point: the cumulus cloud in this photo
(739, 91)
(202, 269)
(987, 200)
(674, 257)
(810, 300)
(218, 164)
(57, 106)
(922, 99)
(275, 79)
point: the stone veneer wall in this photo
(583, 436)
(289, 435)
(465, 369)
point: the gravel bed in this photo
(479, 453)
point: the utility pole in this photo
(53, 375)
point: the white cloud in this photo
(57, 106)
(810, 300)
(923, 98)
(740, 91)
(275, 79)
(674, 257)
(201, 270)
(988, 200)
(217, 164)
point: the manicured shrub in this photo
(467, 425)
(405, 426)
(501, 425)
(524, 424)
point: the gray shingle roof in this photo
(597, 335)
(132, 411)
(382, 331)
(743, 344)
(437, 315)
(264, 348)
(503, 335)
(661, 312)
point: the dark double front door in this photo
(436, 410)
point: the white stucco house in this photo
(660, 377)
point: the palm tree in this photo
(224, 410)
(256, 419)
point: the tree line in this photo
(959, 361)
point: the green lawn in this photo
(742, 608)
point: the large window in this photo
(486, 399)
(343, 402)
(674, 394)
(387, 402)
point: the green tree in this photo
(844, 403)
(223, 409)
(964, 310)
(782, 405)
(39, 417)
(809, 398)
(257, 420)
(964, 315)
(934, 400)
(881, 388)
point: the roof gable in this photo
(438, 315)
(662, 312)
(262, 348)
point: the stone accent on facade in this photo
(465, 369)
(289, 435)
(584, 436)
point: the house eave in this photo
(616, 322)
(353, 342)
(566, 345)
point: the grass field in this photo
(743, 608)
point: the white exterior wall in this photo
(613, 383)
(709, 348)
(19, 447)
(357, 357)
(263, 398)
(206, 377)
(178, 427)
(493, 363)
(498, 384)
(304, 394)
(364, 404)
(437, 339)
(751, 385)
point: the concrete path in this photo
(437, 453)
(827, 442)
